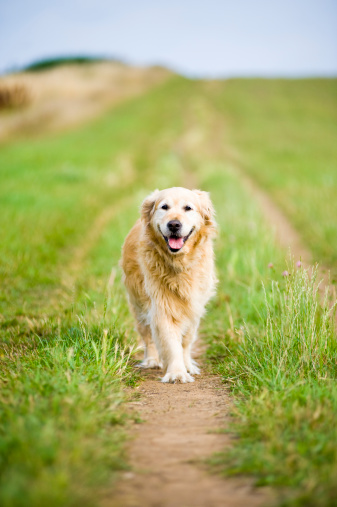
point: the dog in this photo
(168, 270)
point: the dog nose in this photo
(174, 226)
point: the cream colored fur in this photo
(168, 290)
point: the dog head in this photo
(178, 217)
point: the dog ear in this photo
(207, 209)
(148, 205)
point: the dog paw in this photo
(193, 368)
(177, 376)
(191, 365)
(150, 362)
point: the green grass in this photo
(52, 189)
(67, 202)
(66, 334)
(60, 415)
(275, 346)
(283, 373)
(283, 133)
(61, 429)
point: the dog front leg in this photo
(168, 338)
(188, 340)
(151, 359)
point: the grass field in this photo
(66, 204)
(283, 134)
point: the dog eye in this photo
(187, 208)
(164, 206)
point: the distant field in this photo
(65, 94)
(283, 133)
(66, 204)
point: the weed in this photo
(14, 96)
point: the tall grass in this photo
(297, 342)
(284, 374)
(61, 423)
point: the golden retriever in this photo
(168, 266)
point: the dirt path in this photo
(286, 235)
(182, 427)
(180, 430)
(183, 423)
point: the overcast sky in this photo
(195, 37)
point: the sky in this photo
(212, 38)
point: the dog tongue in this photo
(176, 243)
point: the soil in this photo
(182, 427)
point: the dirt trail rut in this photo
(287, 236)
(180, 430)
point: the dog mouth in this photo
(176, 242)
